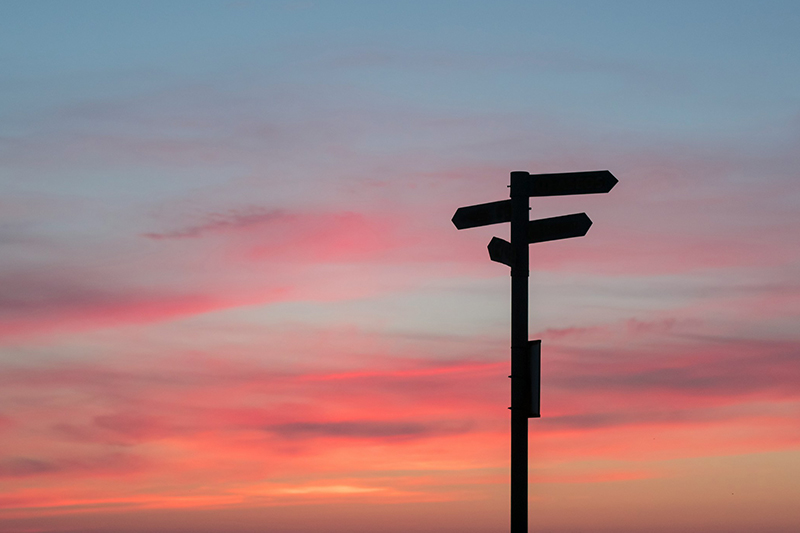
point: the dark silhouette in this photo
(525, 354)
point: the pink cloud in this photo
(410, 400)
(32, 304)
(409, 425)
(252, 252)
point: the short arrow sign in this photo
(482, 214)
(501, 251)
(592, 182)
(564, 227)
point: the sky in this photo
(232, 299)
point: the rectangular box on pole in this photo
(535, 376)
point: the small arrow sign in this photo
(482, 214)
(501, 251)
(592, 182)
(555, 228)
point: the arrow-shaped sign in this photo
(544, 229)
(563, 227)
(482, 214)
(501, 251)
(592, 182)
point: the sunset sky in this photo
(232, 299)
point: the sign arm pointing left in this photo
(474, 216)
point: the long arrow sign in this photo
(592, 182)
(542, 230)
(482, 214)
(563, 227)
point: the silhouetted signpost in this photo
(525, 354)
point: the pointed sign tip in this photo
(612, 179)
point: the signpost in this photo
(525, 354)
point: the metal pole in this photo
(519, 352)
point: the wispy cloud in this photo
(103, 465)
(219, 222)
(366, 429)
(32, 303)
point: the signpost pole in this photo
(525, 379)
(519, 352)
